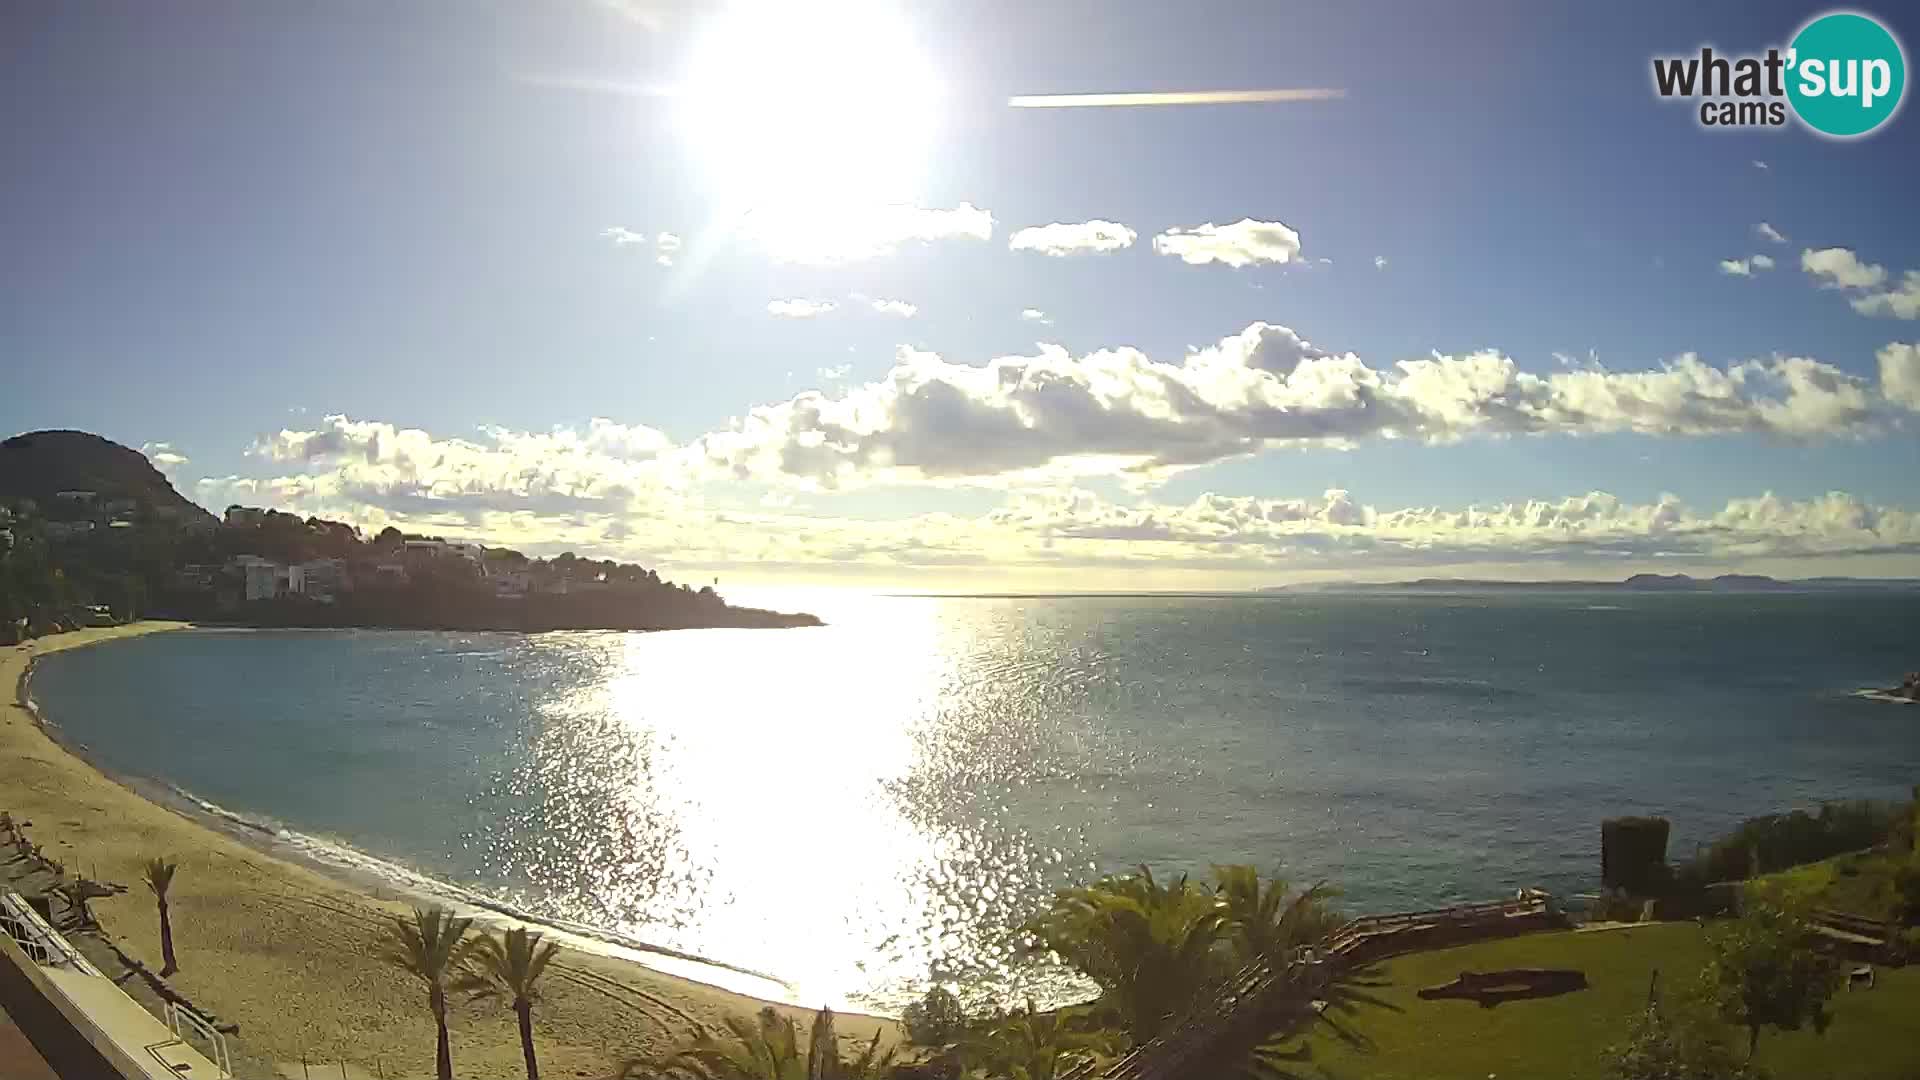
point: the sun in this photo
(801, 110)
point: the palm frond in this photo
(158, 874)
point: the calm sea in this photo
(857, 807)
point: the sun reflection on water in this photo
(828, 806)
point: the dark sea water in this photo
(854, 807)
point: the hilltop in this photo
(39, 465)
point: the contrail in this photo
(1189, 97)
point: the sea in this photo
(855, 811)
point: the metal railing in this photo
(183, 1022)
(38, 940)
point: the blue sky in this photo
(365, 261)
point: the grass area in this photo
(1860, 883)
(1565, 1038)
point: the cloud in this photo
(1900, 374)
(1118, 412)
(834, 373)
(164, 457)
(1063, 238)
(1336, 528)
(613, 490)
(1746, 267)
(1758, 164)
(1769, 233)
(1379, 262)
(1243, 243)
(890, 307)
(798, 309)
(1840, 268)
(1900, 302)
(400, 471)
(1034, 314)
(665, 246)
(827, 235)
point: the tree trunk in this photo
(442, 1050)
(1753, 1040)
(167, 966)
(525, 1010)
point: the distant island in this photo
(91, 533)
(1724, 583)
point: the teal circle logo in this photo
(1846, 74)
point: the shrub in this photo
(1776, 841)
(936, 1019)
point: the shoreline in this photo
(311, 985)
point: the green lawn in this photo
(1875, 1034)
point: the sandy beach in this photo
(292, 955)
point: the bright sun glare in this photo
(810, 117)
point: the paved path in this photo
(18, 1059)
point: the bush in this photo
(1776, 841)
(936, 1019)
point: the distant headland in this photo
(1725, 583)
(91, 533)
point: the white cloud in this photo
(892, 307)
(1758, 164)
(612, 490)
(1118, 412)
(834, 373)
(1900, 374)
(407, 471)
(1243, 243)
(1379, 262)
(827, 235)
(798, 308)
(1901, 302)
(1769, 233)
(1840, 268)
(665, 246)
(1335, 528)
(1034, 314)
(1736, 267)
(164, 457)
(1762, 262)
(1075, 238)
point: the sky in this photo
(792, 294)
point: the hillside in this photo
(39, 464)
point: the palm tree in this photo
(159, 877)
(511, 967)
(1265, 921)
(1150, 947)
(767, 1048)
(1033, 1045)
(432, 947)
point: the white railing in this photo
(38, 940)
(183, 1022)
